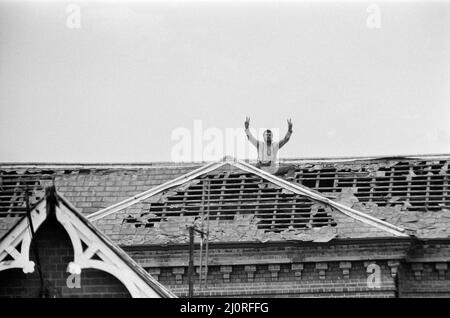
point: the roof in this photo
(409, 191)
(149, 281)
(236, 202)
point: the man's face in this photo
(267, 136)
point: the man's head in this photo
(267, 136)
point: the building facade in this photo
(368, 227)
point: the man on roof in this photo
(268, 150)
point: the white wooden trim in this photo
(21, 235)
(110, 263)
(78, 231)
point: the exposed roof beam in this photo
(360, 216)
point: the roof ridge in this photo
(176, 164)
(372, 157)
(101, 165)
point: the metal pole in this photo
(201, 260)
(202, 216)
(397, 283)
(191, 262)
(207, 233)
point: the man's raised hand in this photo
(289, 121)
(247, 122)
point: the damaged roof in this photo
(411, 192)
(235, 202)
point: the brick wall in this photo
(426, 273)
(55, 251)
(425, 280)
(282, 270)
(251, 270)
(283, 281)
(302, 270)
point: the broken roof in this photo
(389, 188)
(237, 202)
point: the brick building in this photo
(369, 227)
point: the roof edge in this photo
(157, 164)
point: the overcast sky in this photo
(115, 89)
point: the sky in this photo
(138, 81)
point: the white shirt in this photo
(267, 153)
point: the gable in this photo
(91, 248)
(243, 204)
(55, 252)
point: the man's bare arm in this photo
(288, 134)
(250, 137)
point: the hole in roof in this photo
(13, 186)
(231, 195)
(417, 182)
